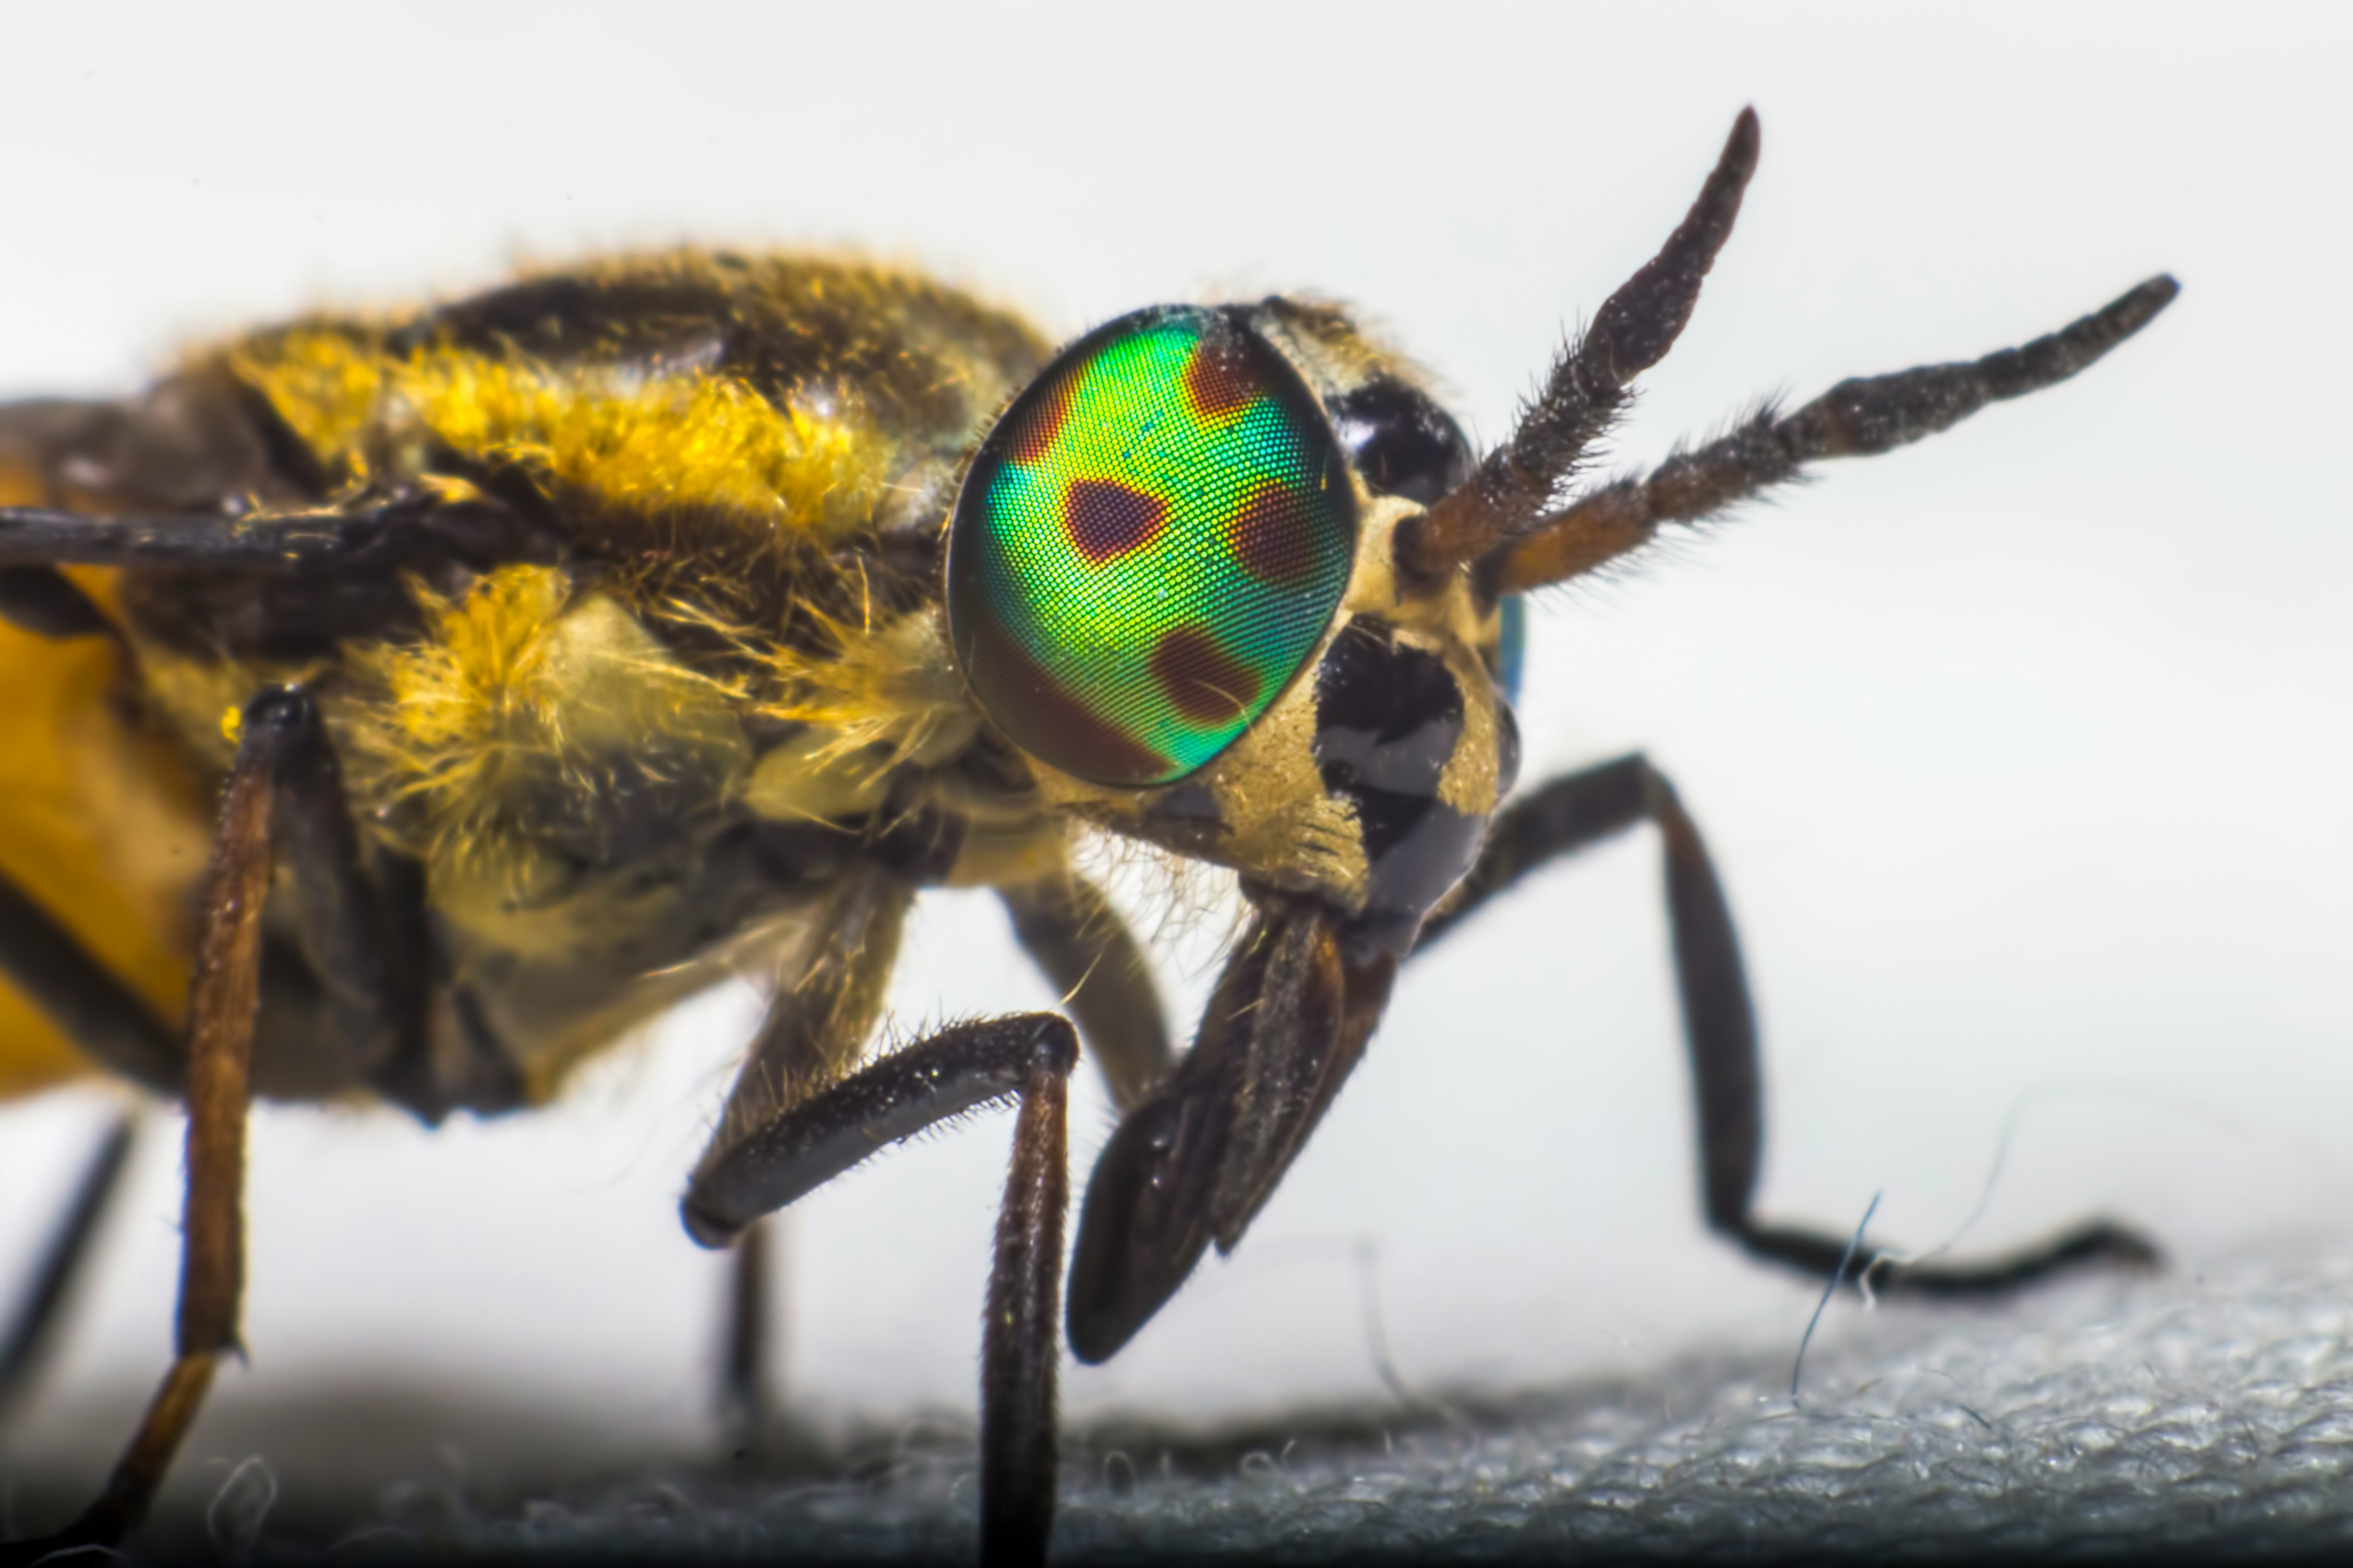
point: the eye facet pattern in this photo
(1148, 546)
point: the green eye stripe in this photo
(1118, 434)
(1148, 546)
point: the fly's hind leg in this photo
(278, 727)
(759, 1168)
(25, 1345)
(1720, 1028)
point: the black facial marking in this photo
(1185, 817)
(1387, 717)
(1192, 801)
(1402, 443)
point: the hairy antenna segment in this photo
(1859, 417)
(1513, 490)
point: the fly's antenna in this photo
(1514, 491)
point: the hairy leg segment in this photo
(767, 1165)
(1720, 1029)
(278, 728)
(1513, 490)
(1193, 1161)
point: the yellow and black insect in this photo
(530, 661)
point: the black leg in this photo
(29, 1336)
(220, 1041)
(408, 532)
(751, 1349)
(825, 1011)
(402, 966)
(1018, 1352)
(1029, 1057)
(1720, 1028)
(342, 922)
(1855, 418)
(370, 965)
(1513, 490)
(767, 1166)
(1086, 951)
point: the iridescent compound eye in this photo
(1148, 546)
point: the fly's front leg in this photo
(763, 1167)
(751, 1341)
(1720, 1027)
(278, 727)
(1018, 1348)
(799, 1115)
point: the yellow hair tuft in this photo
(647, 445)
(877, 695)
(515, 708)
(327, 386)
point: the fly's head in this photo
(1171, 583)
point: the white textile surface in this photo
(2176, 1418)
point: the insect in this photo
(530, 661)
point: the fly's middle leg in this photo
(1720, 1030)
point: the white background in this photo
(2027, 753)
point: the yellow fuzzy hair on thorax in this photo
(518, 707)
(689, 440)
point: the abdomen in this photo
(102, 825)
